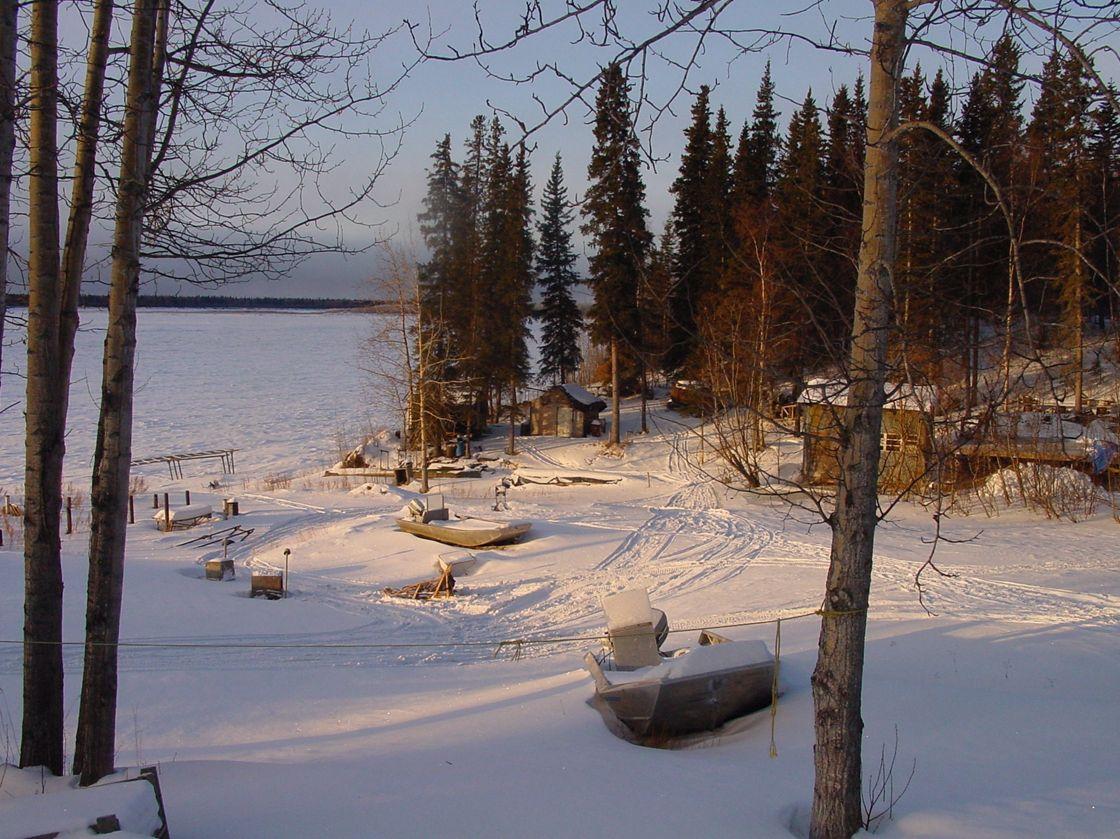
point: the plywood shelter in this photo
(564, 411)
(906, 446)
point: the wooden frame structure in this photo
(175, 461)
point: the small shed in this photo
(906, 446)
(564, 411)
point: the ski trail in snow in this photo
(969, 594)
(294, 505)
(535, 452)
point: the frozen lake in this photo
(279, 386)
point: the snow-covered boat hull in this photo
(480, 534)
(653, 705)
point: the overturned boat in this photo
(692, 690)
(669, 694)
(435, 522)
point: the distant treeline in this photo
(171, 301)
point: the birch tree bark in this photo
(81, 197)
(9, 18)
(42, 728)
(615, 396)
(96, 739)
(838, 677)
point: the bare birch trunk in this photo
(81, 199)
(9, 19)
(42, 729)
(1078, 321)
(615, 411)
(1008, 324)
(422, 379)
(838, 677)
(511, 448)
(95, 747)
(645, 429)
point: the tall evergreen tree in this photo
(692, 227)
(756, 157)
(561, 321)
(806, 303)
(615, 223)
(465, 314)
(438, 221)
(1059, 139)
(518, 293)
(718, 204)
(1105, 206)
(841, 193)
(498, 265)
(990, 129)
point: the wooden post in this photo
(287, 553)
(166, 513)
(69, 516)
(131, 509)
(155, 500)
(187, 492)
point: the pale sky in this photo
(442, 97)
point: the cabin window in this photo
(894, 442)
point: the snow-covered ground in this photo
(342, 712)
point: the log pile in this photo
(441, 586)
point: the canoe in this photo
(466, 533)
(698, 689)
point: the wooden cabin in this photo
(564, 411)
(906, 445)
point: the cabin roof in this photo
(582, 397)
(899, 395)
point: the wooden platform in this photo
(175, 461)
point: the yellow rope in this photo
(774, 687)
(837, 613)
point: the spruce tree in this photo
(990, 129)
(438, 221)
(1059, 138)
(692, 227)
(561, 321)
(843, 179)
(615, 223)
(465, 315)
(497, 265)
(717, 186)
(800, 225)
(753, 175)
(756, 157)
(1105, 207)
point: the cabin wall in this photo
(904, 457)
(554, 414)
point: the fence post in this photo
(187, 492)
(69, 516)
(166, 514)
(131, 509)
(155, 500)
